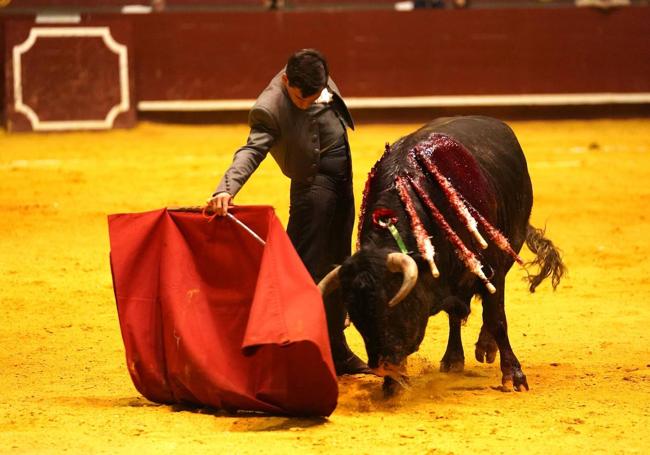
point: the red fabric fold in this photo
(210, 316)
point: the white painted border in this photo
(48, 18)
(65, 32)
(418, 101)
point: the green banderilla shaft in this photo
(400, 243)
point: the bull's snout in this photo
(391, 369)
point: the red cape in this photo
(211, 316)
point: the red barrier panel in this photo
(383, 53)
(69, 76)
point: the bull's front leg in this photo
(494, 320)
(454, 358)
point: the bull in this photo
(445, 212)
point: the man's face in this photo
(295, 94)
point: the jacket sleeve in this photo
(263, 134)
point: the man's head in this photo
(305, 77)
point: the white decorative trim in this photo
(66, 32)
(200, 105)
(419, 101)
(136, 9)
(561, 99)
(48, 18)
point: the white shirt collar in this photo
(325, 97)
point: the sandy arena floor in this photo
(585, 348)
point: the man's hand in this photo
(219, 203)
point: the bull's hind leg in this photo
(454, 358)
(494, 319)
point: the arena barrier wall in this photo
(221, 60)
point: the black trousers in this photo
(321, 218)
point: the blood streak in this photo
(464, 254)
(421, 235)
(432, 159)
(442, 151)
(495, 235)
(452, 196)
(366, 192)
(458, 165)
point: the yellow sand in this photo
(585, 348)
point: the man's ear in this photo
(285, 79)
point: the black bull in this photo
(458, 193)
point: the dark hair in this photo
(307, 70)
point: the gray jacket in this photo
(289, 133)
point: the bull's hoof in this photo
(486, 351)
(452, 366)
(517, 382)
(520, 383)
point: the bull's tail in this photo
(547, 258)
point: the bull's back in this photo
(499, 156)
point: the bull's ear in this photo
(330, 282)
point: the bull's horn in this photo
(330, 282)
(399, 262)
